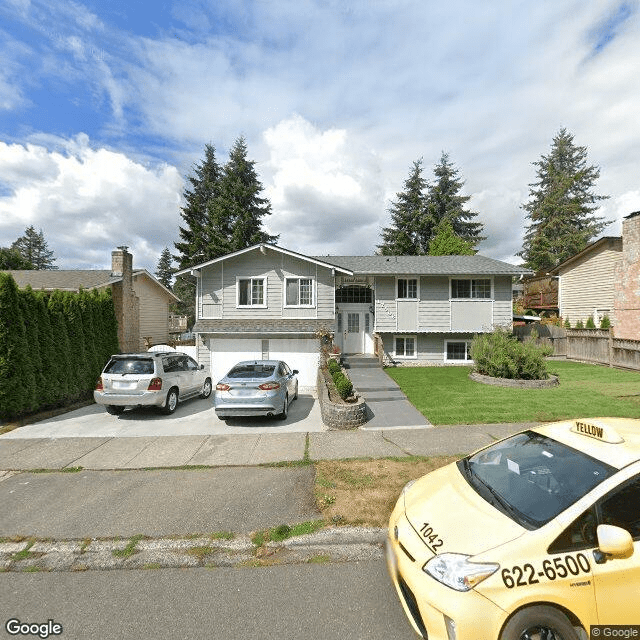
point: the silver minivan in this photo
(155, 378)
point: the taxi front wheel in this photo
(539, 623)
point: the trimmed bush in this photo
(344, 386)
(590, 323)
(567, 324)
(579, 324)
(605, 323)
(500, 355)
(333, 367)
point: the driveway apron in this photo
(388, 407)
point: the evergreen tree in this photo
(17, 383)
(561, 206)
(12, 259)
(202, 191)
(33, 248)
(68, 376)
(164, 271)
(407, 216)
(51, 363)
(447, 243)
(446, 203)
(236, 216)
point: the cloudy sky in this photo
(105, 107)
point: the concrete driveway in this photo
(193, 417)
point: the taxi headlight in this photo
(456, 571)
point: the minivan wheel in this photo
(206, 389)
(172, 401)
(539, 623)
(114, 410)
(285, 408)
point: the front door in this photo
(356, 328)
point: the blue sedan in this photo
(256, 388)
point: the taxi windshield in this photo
(532, 478)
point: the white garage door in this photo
(302, 354)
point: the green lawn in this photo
(445, 395)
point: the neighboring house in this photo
(586, 282)
(141, 302)
(627, 281)
(268, 302)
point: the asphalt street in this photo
(349, 601)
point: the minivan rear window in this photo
(252, 371)
(133, 365)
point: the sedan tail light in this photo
(222, 387)
(99, 385)
(155, 385)
(269, 386)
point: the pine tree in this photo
(446, 203)
(561, 206)
(164, 271)
(447, 243)
(203, 190)
(12, 259)
(236, 216)
(407, 216)
(33, 248)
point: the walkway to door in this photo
(388, 405)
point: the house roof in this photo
(426, 265)
(387, 265)
(264, 247)
(74, 279)
(616, 241)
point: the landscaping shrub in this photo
(567, 324)
(333, 367)
(590, 323)
(344, 386)
(500, 355)
(579, 324)
(605, 323)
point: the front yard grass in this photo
(446, 395)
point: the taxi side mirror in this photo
(612, 542)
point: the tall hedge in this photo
(52, 347)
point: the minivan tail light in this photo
(269, 386)
(155, 385)
(99, 385)
(222, 387)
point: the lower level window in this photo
(458, 350)
(405, 346)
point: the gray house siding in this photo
(434, 311)
(431, 348)
(503, 305)
(218, 287)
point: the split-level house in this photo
(269, 302)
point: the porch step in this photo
(360, 362)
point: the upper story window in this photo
(252, 292)
(298, 292)
(471, 288)
(407, 288)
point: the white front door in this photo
(357, 327)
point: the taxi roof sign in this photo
(598, 430)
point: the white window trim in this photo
(467, 343)
(417, 279)
(415, 347)
(252, 279)
(299, 306)
(491, 297)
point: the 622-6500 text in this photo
(560, 567)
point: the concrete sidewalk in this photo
(242, 450)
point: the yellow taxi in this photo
(535, 537)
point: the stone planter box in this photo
(551, 381)
(338, 416)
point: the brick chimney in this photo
(127, 304)
(627, 284)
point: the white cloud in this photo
(87, 201)
(324, 189)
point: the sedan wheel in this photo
(172, 401)
(539, 623)
(206, 389)
(285, 408)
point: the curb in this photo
(335, 544)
